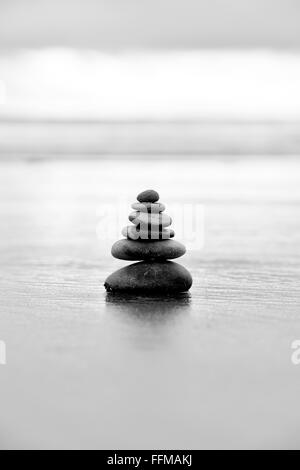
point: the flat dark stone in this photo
(148, 196)
(165, 277)
(134, 250)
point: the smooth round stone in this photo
(144, 219)
(148, 196)
(149, 207)
(131, 232)
(139, 250)
(144, 235)
(164, 277)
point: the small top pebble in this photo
(148, 196)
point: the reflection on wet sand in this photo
(148, 323)
(149, 308)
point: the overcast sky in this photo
(150, 23)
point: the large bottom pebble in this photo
(146, 277)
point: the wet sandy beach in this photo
(210, 369)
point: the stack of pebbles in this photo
(149, 239)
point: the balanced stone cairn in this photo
(149, 239)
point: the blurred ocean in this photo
(58, 103)
(50, 140)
